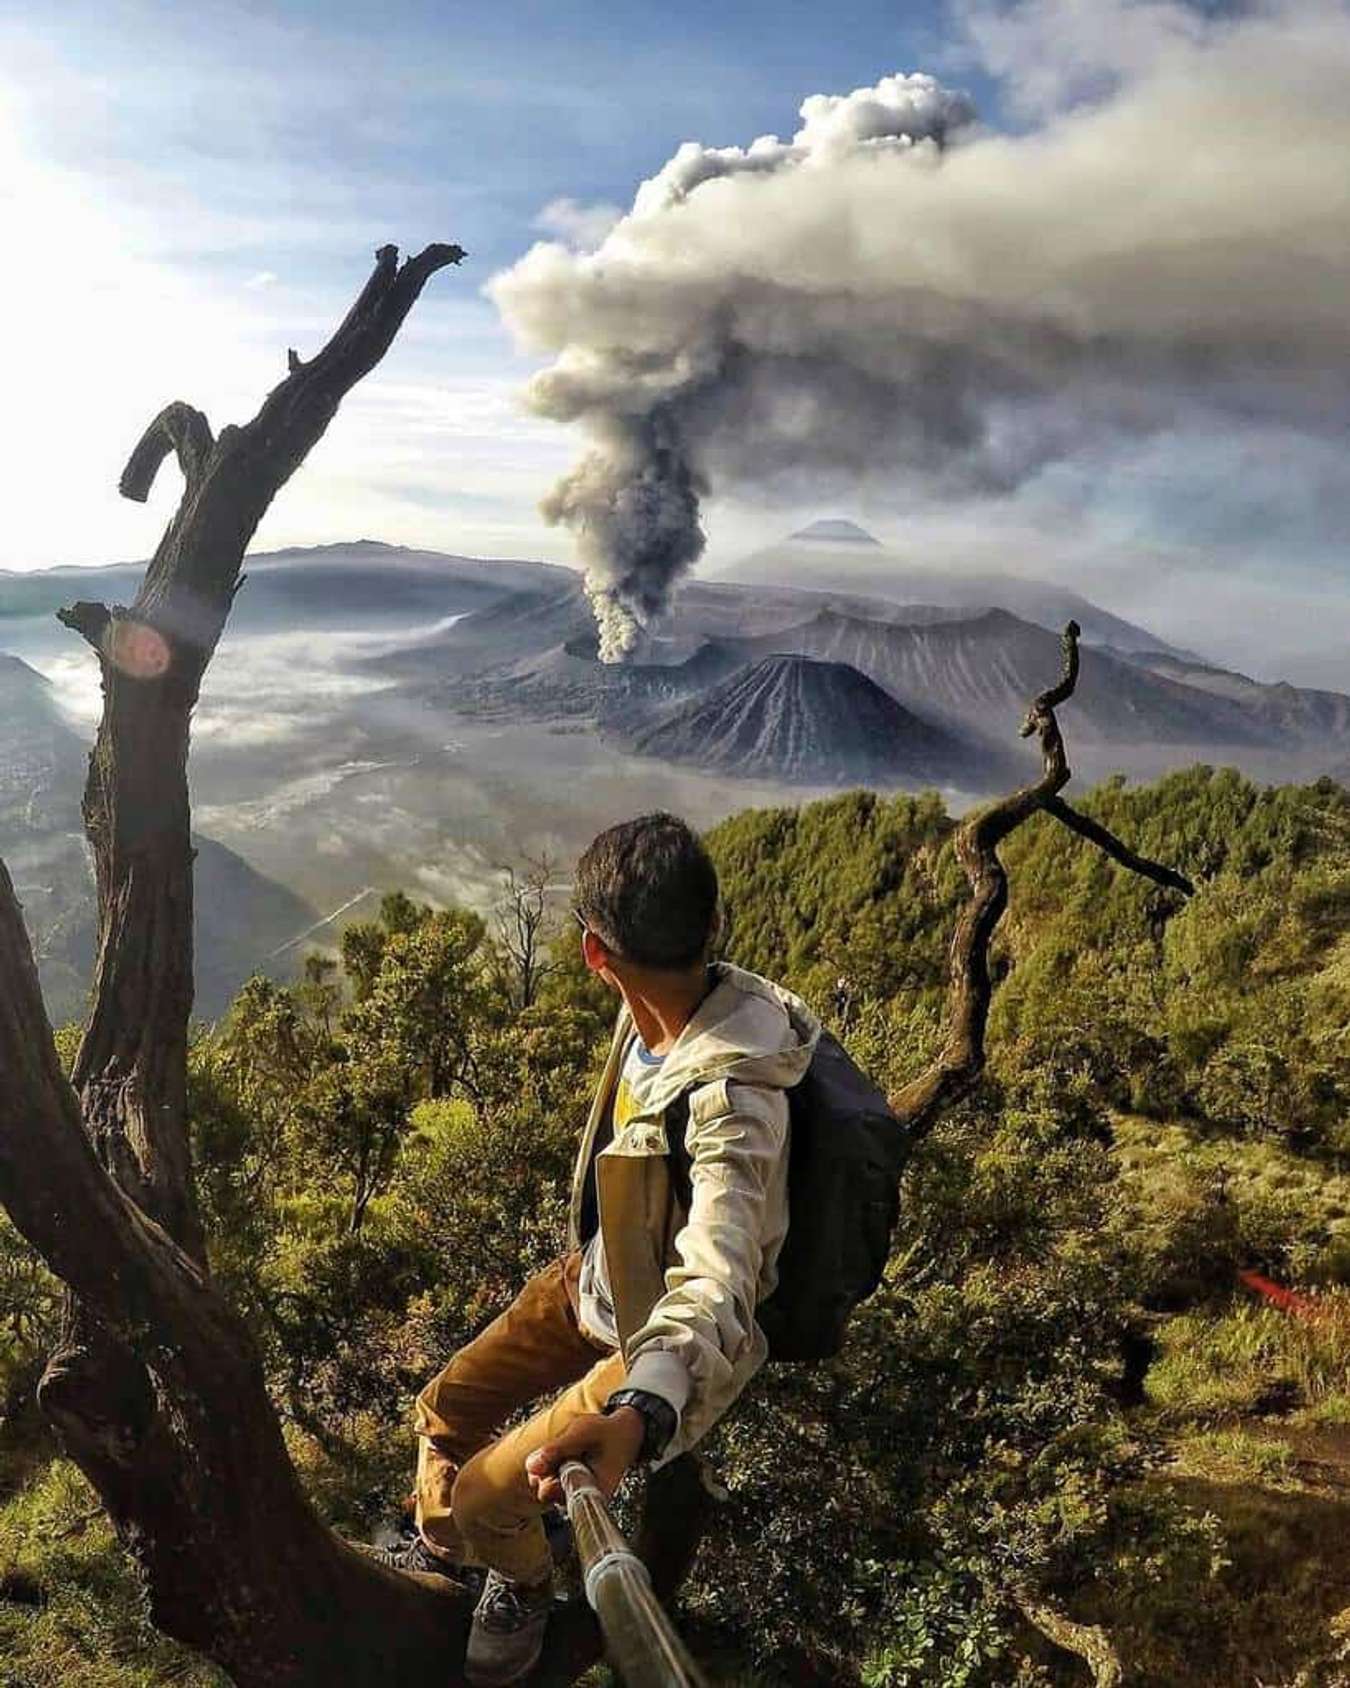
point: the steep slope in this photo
(41, 757)
(795, 719)
(977, 675)
(239, 917)
(1295, 712)
(825, 555)
(240, 914)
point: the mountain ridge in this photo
(882, 571)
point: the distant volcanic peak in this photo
(835, 530)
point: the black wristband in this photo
(657, 1415)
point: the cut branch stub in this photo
(88, 619)
(180, 429)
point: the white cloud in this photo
(1051, 54)
(582, 226)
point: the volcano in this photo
(797, 719)
(835, 530)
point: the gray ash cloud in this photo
(899, 292)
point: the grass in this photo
(1271, 1613)
(1234, 1455)
(72, 1612)
(1332, 1410)
(1202, 1205)
(1255, 1401)
(1251, 1359)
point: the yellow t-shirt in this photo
(631, 1097)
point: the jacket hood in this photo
(747, 1029)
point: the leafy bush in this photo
(383, 1152)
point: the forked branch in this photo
(961, 1059)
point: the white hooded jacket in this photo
(686, 1285)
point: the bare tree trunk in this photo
(960, 1061)
(158, 1391)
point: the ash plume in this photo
(633, 503)
(899, 292)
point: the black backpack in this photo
(846, 1153)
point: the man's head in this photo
(646, 891)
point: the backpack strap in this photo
(681, 1161)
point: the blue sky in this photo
(191, 189)
(474, 116)
(215, 177)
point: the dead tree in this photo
(960, 1061)
(157, 1390)
(524, 926)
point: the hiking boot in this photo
(507, 1635)
(414, 1555)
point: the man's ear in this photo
(593, 952)
(721, 929)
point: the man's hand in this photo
(607, 1442)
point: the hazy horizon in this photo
(1321, 663)
(1172, 451)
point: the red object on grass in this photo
(1287, 1300)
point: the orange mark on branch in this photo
(137, 649)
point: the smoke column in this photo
(899, 292)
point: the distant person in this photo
(647, 1324)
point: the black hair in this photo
(648, 889)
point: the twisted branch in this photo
(961, 1059)
(1106, 840)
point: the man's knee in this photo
(452, 1411)
(489, 1494)
(473, 1497)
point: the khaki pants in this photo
(473, 1500)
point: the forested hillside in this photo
(1066, 1429)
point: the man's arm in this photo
(700, 1327)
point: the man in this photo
(646, 1325)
